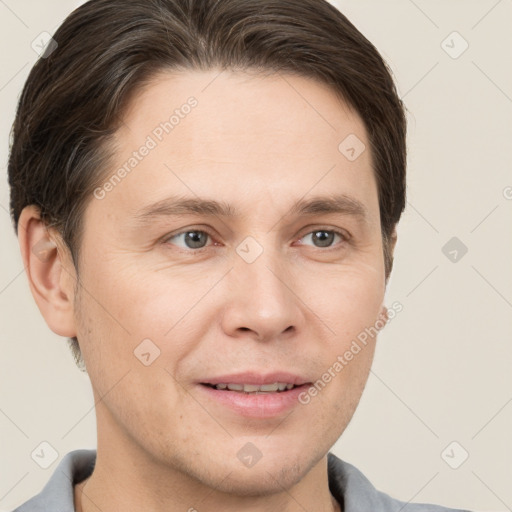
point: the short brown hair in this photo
(74, 97)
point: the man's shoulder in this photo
(350, 487)
(58, 494)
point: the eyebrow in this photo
(318, 205)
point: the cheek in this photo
(128, 312)
(347, 301)
(145, 303)
(348, 305)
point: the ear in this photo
(389, 252)
(392, 242)
(50, 270)
(382, 319)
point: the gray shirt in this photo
(347, 484)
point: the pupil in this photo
(193, 239)
(325, 238)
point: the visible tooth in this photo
(269, 387)
(249, 388)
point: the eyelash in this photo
(343, 235)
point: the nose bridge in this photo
(259, 270)
(261, 296)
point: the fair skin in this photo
(253, 142)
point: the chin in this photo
(263, 480)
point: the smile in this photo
(251, 388)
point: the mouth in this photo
(252, 389)
(259, 399)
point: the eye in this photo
(190, 239)
(197, 239)
(323, 238)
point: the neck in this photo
(82, 498)
(103, 490)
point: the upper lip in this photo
(257, 378)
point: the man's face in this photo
(267, 289)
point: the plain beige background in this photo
(442, 368)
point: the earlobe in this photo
(50, 272)
(392, 242)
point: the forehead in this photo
(238, 135)
(241, 104)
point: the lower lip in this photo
(265, 405)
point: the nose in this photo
(261, 301)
